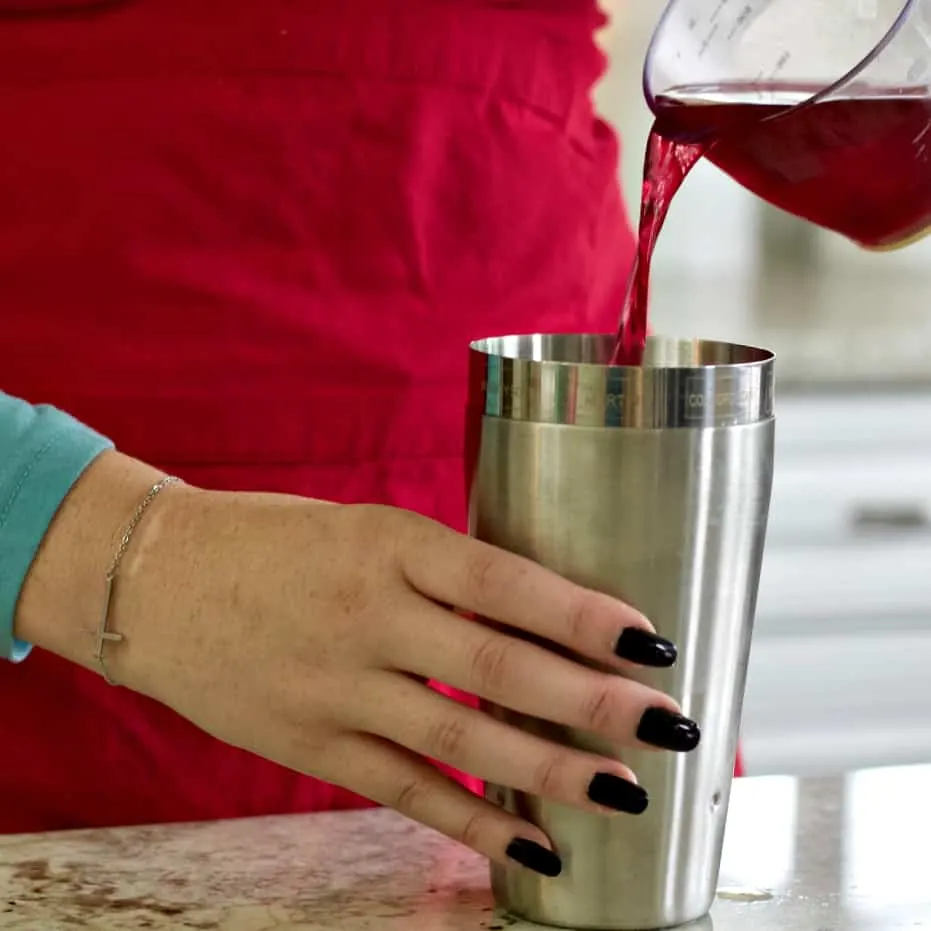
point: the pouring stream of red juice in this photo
(859, 165)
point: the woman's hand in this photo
(306, 633)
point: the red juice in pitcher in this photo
(858, 164)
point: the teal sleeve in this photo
(43, 452)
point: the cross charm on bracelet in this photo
(103, 635)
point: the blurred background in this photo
(840, 675)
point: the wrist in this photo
(64, 592)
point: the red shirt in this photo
(250, 241)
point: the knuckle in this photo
(304, 746)
(377, 521)
(480, 576)
(582, 616)
(447, 739)
(373, 516)
(600, 710)
(351, 599)
(549, 779)
(474, 831)
(410, 797)
(491, 663)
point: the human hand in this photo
(306, 632)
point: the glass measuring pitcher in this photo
(821, 107)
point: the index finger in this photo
(478, 577)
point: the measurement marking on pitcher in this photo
(709, 38)
(741, 21)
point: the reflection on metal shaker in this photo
(651, 484)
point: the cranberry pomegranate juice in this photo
(858, 165)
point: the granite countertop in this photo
(851, 853)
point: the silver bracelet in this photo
(103, 634)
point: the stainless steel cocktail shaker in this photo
(651, 484)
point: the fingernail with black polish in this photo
(534, 857)
(618, 794)
(668, 731)
(646, 649)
